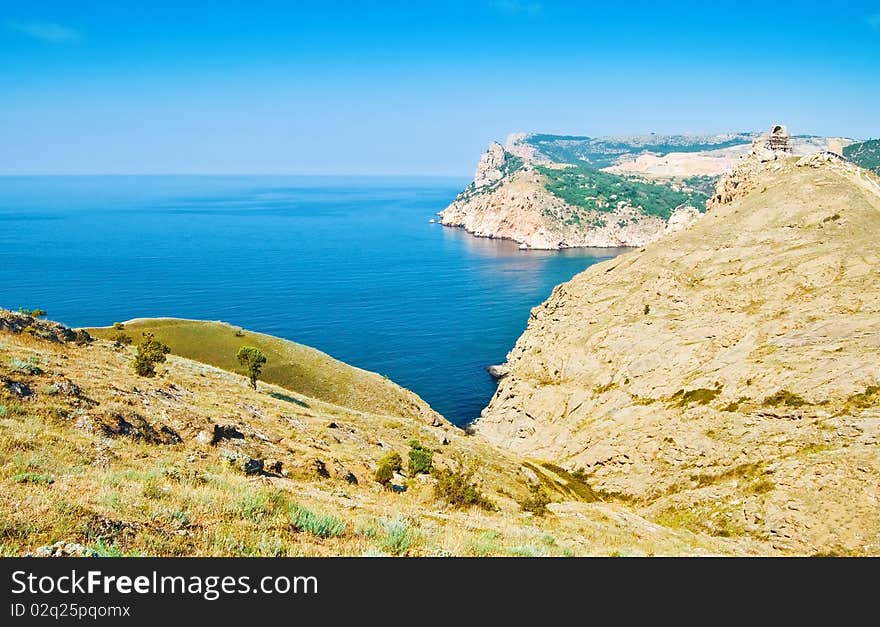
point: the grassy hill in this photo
(195, 462)
(865, 154)
(298, 368)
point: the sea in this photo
(352, 266)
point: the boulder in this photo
(499, 371)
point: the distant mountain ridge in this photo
(559, 191)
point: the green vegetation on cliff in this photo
(865, 154)
(601, 152)
(584, 187)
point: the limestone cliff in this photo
(552, 191)
(510, 199)
(726, 379)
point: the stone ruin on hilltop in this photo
(777, 140)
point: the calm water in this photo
(350, 266)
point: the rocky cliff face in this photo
(512, 198)
(509, 199)
(489, 170)
(726, 379)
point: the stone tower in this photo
(779, 140)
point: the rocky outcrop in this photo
(519, 207)
(726, 379)
(16, 322)
(489, 170)
(509, 197)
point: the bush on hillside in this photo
(149, 353)
(421, 459)
(459, 489)
(392, 462)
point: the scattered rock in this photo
(66, 387)
(18, 388)
(248, 465)
(499, 371)
(350, 477)
(321, 469)
(63, 549)
(226, 432)
(253, 466)
(135, 426)
(274, 466)
(332, 425)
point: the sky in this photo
(410, 88)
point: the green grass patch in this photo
(33, 477)
(320, 525)
(397, 536)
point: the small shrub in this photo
(421, 459)
(537, 500)
(3, 411)
(48, 389)
(487, 544)
(459, 490)
(257, 506)
(33, 313)
(320, 525)
(762, 485)
(149, 353)
(525, 551)
(398, 536)
(33, 477)
(181, 518)
(388, 465)
(118, 326)
(120, 339)
(29, 366)
(703, 396)
(647, 309)
(784, 397)
(152, 489)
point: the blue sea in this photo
(349, 265)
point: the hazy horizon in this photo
(395, 89)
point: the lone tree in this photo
(149, 353)
(252, 359)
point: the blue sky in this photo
(410, 87)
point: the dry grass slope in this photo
(92, 453)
